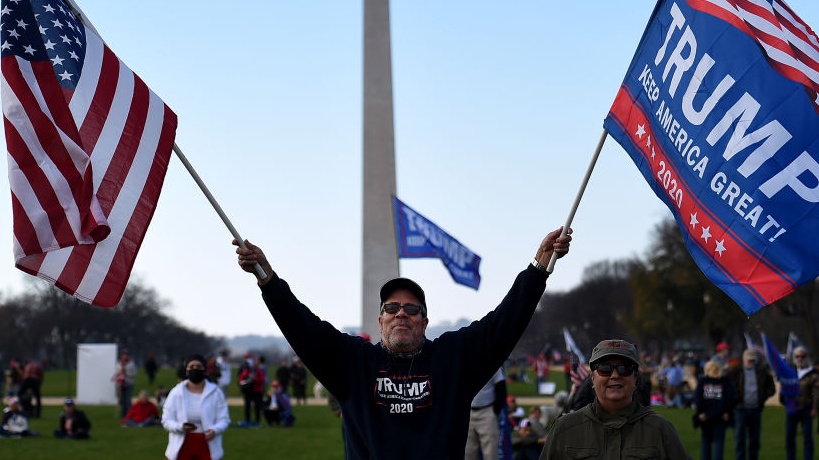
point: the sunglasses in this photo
(605, 370)
(798, 356)
(394, 307)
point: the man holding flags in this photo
(406, 397)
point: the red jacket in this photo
(141, 411)
(258, 376)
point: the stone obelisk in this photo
(379, 250)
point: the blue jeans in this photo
(125, 394)
(747, 424)
(712, 440)
(801, 417)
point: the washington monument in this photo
(379, 251)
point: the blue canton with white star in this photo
(40, 30)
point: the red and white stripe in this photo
(791, 46)
(101, 169)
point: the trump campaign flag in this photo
(419, 237)
(88, 147)
(785, 374)
(718, 110)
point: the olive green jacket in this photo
(636, 432)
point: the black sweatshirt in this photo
(406, 407)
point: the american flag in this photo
(88, 147)
(788, 42)
(579, 369)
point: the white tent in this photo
(96, 365)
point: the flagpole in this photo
(550, 268)
(259, 270)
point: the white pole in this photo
(568, 224)
(259, 270)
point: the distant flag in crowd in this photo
(751, 345)
(793, 343)
(749, 342)
(579, 369)
(505, 449)
(785, 374)
(418, 236)
(718, 110)
(88, 147)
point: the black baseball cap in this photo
(402, 283)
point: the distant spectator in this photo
(14, 376)
(722, 356)
(278, 410)
(298, 376)
(483, 437)
(212, 370)
(161, 394)
(753, 385)
(150, 368)
(224, 371)
(807, 406)
(283, 375)
(526, 444)
(15, 423)
(553, 412)
(674, 377)
(644, 387)
(142, 413)
(251, 384)
(536, 422)
(73, 423)
(714, 408)
(32, 382)
(125, 378)
(541, 370)
(516, 413)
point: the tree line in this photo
(45, 323)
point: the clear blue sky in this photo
(498, 108)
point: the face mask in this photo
(196, 375)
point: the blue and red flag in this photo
(719, 112)
(785, 374)
(418, 236)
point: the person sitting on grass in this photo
(15, 422)
(73, 423)
(142, 413)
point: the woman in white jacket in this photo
(195, 415)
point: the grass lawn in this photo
(316, 434)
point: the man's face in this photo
(749, 361)
(801, 358)
(399, 331)
(614, 391)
